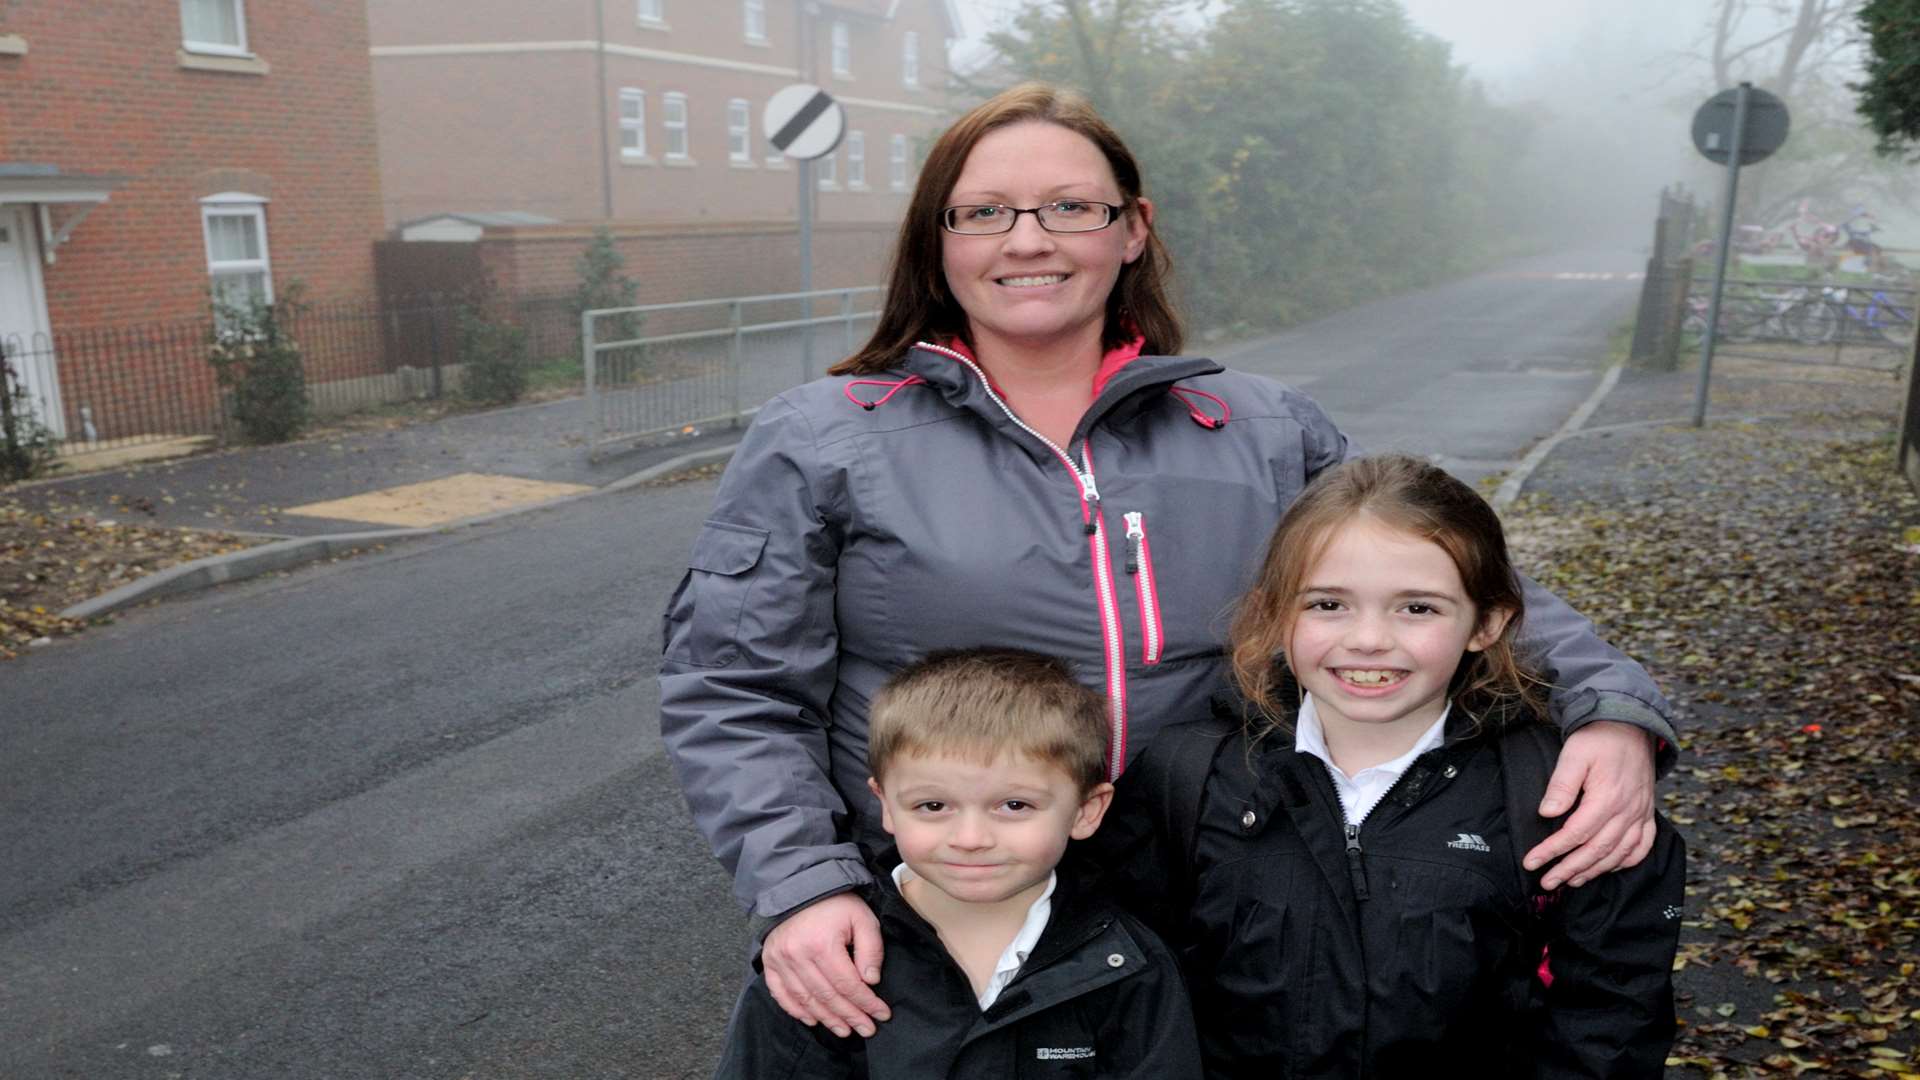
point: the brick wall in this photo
(488, 105)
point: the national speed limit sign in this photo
(803, 122)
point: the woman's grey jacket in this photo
(865, 522)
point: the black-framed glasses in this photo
(1065, 216)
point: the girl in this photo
(1339, 870)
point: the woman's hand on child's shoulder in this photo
(1609, 766)
(810, 974)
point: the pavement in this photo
(329, 495)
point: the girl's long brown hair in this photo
(919, 306)
(1418, 498)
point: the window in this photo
(673, 117)
(653, 12)
(214, 26)
(829, 169)
(236, 231)
(842, 50)
(897, 163)
(755, 12)
(739, 148)
(856, 159)
(633, 123)
(910, 59)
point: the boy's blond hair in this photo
(978, 704)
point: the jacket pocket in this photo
(703, 619)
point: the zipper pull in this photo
(1090, 495)
(1355, 867)
(1136, 532)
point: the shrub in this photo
(258, 364)
(26, 445)
(603, 285)
(495, 359)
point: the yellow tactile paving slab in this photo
(436, 502)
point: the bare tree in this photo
(1806, 52)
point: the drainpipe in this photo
(600, 92)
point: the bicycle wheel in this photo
(1895, 325)
(1816, 323)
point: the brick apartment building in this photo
(151, 152)
(645, 116)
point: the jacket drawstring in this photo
(1186, 394)
(893, 388)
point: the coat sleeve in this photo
(764, 1043)
(1611, 945)
(749, 667)
(1591, 679)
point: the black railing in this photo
(102, 386)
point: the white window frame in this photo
(910, 60)
(753, 16)
(897, 163)
(856, 159)
(650, 12)
(237, 204)
(676, 130)
(218, 48)
(739, 132)
(827, 170)
(634, 127)
(842, 48)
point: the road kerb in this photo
(287, 554)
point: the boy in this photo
(986, 762)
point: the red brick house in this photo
(645, 116)
(151, 152)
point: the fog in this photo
(1614, 84)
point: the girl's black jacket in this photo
(1411, 948)
(1100, 996)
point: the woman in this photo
(1017, 457)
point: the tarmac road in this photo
(406, 815)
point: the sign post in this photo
(803, 122)
(1737, 127)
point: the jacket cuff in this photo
(812, 885)
(1626, 709)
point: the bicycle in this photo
(1839, 314)
(1754, 313)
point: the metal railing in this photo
(660, 369)
(105, 387)
(1825, 322)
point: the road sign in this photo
(1766, 127)
(803, 122)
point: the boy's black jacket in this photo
(1416, 951)
(1100, 996)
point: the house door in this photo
(24, 335)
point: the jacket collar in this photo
(1279, 780)
(1129, 378)
(1050, 973)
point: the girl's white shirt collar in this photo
(1363, 790)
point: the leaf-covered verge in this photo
(1769, 575)
(50, 561)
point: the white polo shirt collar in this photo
(1017, 950)
(1362, 791)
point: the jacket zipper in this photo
(1356, 856)
(1095, 521)
(1140, 563)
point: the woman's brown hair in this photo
(919, 306)
(1416, 497)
